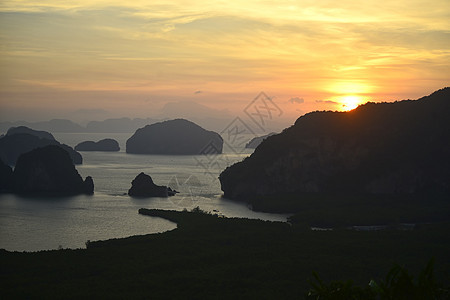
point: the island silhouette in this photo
(174, 137)
(400, 148)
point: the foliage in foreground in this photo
(210, 257)
(399, 284)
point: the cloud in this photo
(226, 46)
(296, 100)
(327, 101)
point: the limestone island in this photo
(107, 145)
(254, 142)
(5, 177)
(46, 171)
(26, 130)
(174, 137)
(19, 140)
(143, 186)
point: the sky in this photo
(95, 59)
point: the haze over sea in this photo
(31, 224)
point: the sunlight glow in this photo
(146, 53)
(350, 86)
(350, 102)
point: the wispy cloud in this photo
(318, 49)
(296, 100)
(327, 101)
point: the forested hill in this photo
(378, 148)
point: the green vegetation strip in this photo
(212, 257)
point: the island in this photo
(174, 137)
(107, 145)
(22, 139)
(26, 130)
(143, 186)
(254, 142)
(48, 171)
(380, 152)
(54, 125)
(5, 177)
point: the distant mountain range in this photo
(62, 125)
(204, 116)
(55, 125)
(118, 125)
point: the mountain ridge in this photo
(379, 148)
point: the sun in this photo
(350, 102)
(348, 93)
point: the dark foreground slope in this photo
(400, 148)
(216, 258)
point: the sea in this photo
(40, 223)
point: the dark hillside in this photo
(400, 148)
(208, 257)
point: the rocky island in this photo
(48, 171)
(254, 142)
(174, 137)
(5, 177)
(143, 186)
(107, 145)
(377, 148)
(19, 140)
(26, 130)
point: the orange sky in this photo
(110, 59)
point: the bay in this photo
(33, 224)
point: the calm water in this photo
(31, 224)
